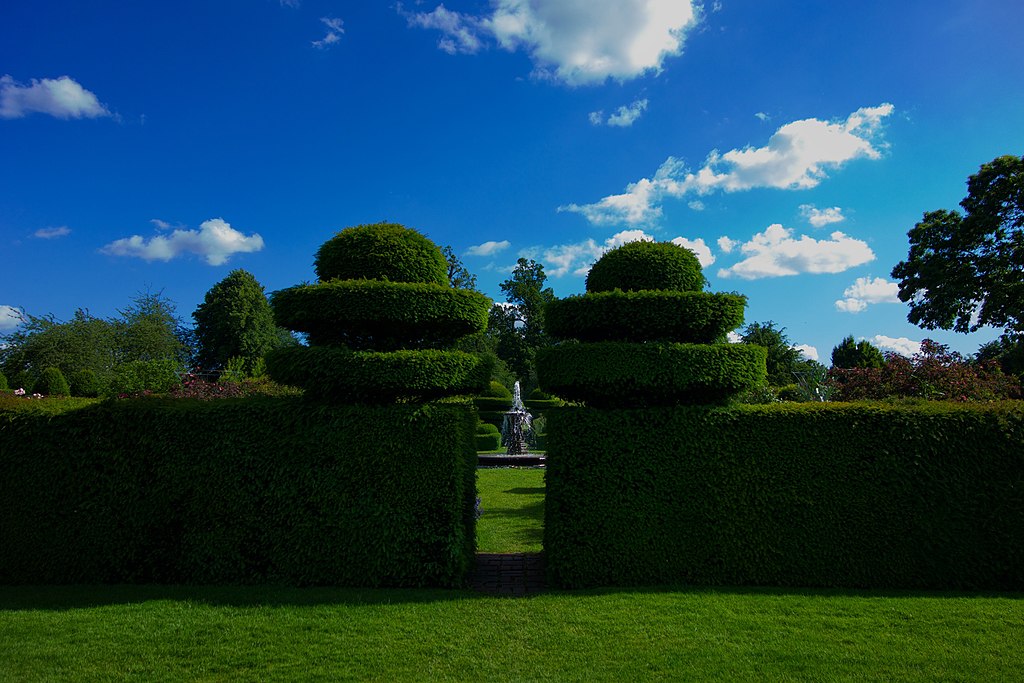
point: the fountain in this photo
(517, 426)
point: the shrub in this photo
(924, 496)
(371, 314)
(647, 265)
(381, 251)
(3, 382)
(86, 384)
(159, 376)
(791, 392)
(496, 390)
(851, 354)
(52, 383)
(139, 492)
(611, 374)
(691, 317)
(488, 438)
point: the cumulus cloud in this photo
(901, 345)
(623, 117)
(762, 116)
(52, 233)
(62, 98)
(215, 241)
(727, 245)
(578, 43)
(808, 351)
(488, 248)
(798, 156)
(577, 258)
(821, 217)
(333, 35)
(775, 252)
(699, 248)
(10, 318)
(865, 291)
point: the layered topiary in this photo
(381, 251)
(637, 266)
(648, 335)
(380, 322)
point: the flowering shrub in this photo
(934, 373)
(193, 386)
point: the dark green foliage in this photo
(926, 496)
(234, 320)
(496, 390)
(381, 251)
(459, 276)
(624, 374)
(3, 382)
(692, 317)
(52, 383)
(158, 376)
(86, 384)
(783, 360)
(638, 266)
(373, 314)
(1008, 351)
(964, 271)
(862, 354)
(286, 492)
(518, 327)
(791, 392)
(337, 374)
(488, 438)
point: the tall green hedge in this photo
(836, 495)
(237, 491)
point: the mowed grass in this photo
(512, 501)
(279, 634)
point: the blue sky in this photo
(792, 144)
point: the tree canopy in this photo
(852, 354)
(783, 360)
(518, 325)
(458, 275)
(966, 271)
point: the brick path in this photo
(508, 573)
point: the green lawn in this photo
(153, 633)
(513, 510)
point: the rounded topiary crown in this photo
(639, 266)
(381, 251)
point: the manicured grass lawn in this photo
(176, 633)
(513, 510)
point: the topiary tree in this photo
(85, 383)
(850, 354)
(52, 382)
(645, 334)
(380, 322)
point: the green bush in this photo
(637, 266)
(497, 390)
(611, 374)
(791, 392)
(158, 376)
(370, 314)
(381, 251)
(926, 496)
(139, 492)
(337, 374)
(488, 438)
(86, 384)
(689, 317)
(3, 382)
(52, 382)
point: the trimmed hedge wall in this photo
(610, 374)
(380, 315)
(237, 491)
(691, 317)
(337, 374)
(926, 496)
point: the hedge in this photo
(488, 438)
(693, 317)
(381, 315)
(927, 496)
(237, 491)
(624, 374)
(381, 251)
(377, 377)
(643, 265)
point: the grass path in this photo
(513, 510)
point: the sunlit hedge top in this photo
(647, 265)
(381, 251)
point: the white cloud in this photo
(52, 233)
(798, 156)
(808, 351)
(900, 345)
(289, 3)
(762, 116)
(215, 241)
(726, 244)
(699, 248)
(579, 42)
(733, 337)
(62, 98)
(821, 217)
(696, 205)
(488, 248)
(866, 291)
(774, 253)
(625, 116)
(596, 117)
(10, 318)
(333, 35)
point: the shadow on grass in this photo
(64, 598)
